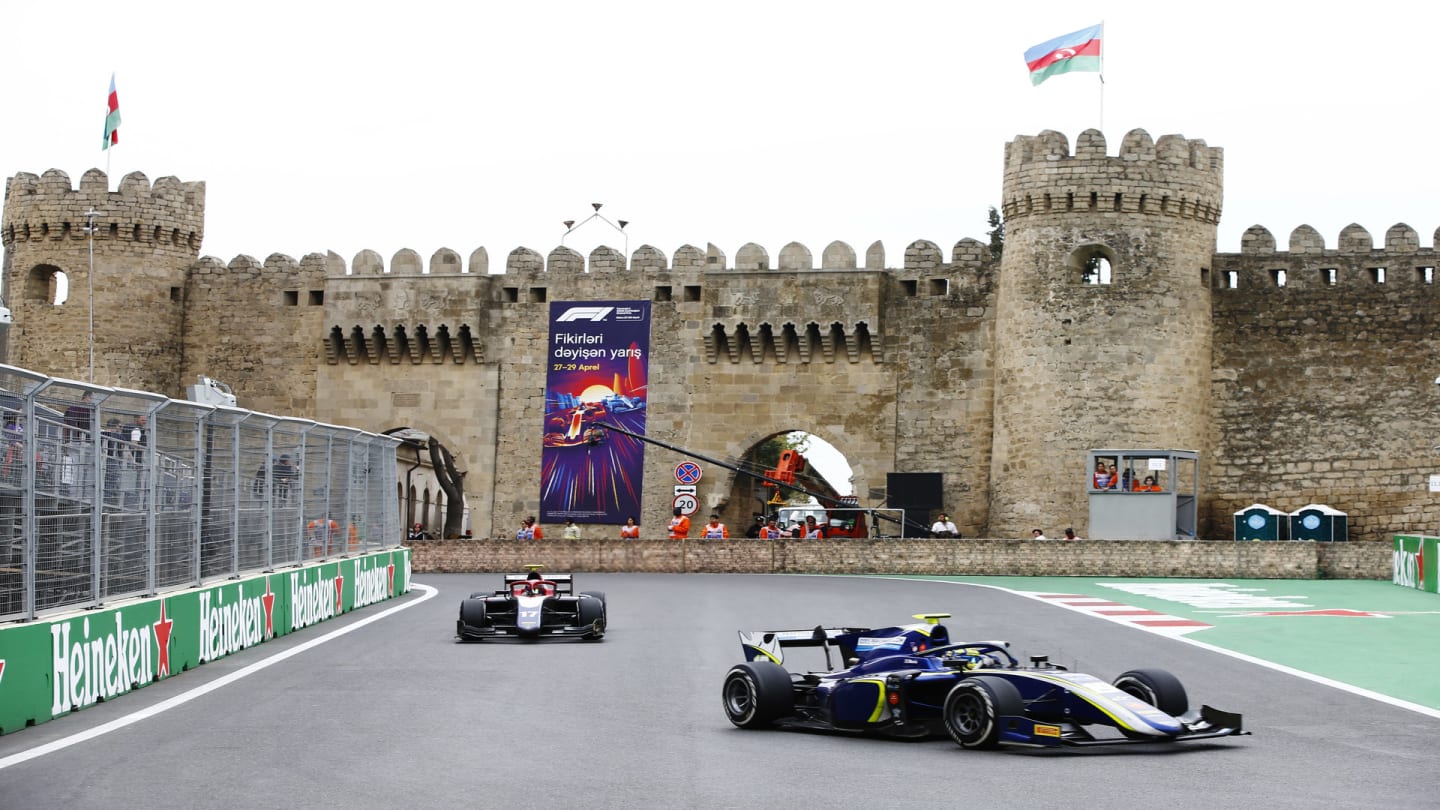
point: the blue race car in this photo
(912, 681)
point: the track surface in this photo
(396, 714)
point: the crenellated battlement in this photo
(1400, 239)
(920, 256)
(1172, 177)
(168, 215)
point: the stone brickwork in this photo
(1210, 560)
(998, 374)
(1323, 370)
(1123, 364)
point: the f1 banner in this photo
(598, 364)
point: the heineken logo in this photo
(227, 628)
(373, 585)
(1408, 568)
(314, 602)
(106, 660)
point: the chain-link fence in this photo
(107, 493)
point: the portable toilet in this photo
(1320, 523)
(1259, 522)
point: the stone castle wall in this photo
(916, 557)
(998, 376)
(1324, 392)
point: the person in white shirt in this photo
(1036, 534)
(944, 527)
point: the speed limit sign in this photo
(686, 504)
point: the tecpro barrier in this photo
(1414, 562)
(58, 665)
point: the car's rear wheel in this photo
(974, 707)
(1156, 687)
(591, 611)
(757, 694)
(472, 614)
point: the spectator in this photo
(530, 530)
(770, 531)
(322, 535)
(572, 532)
(631, 529)
(77, 418)
(813, 529)
(1036, 534)
(679, 525)
(112, 439)
(139, 437)
(417, 533)
(1148, 485)
(715, 530)
(1101, 479)
(1069, 534)
(754, 531)
(284, 473)
(944, 527)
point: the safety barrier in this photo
(55, 666)
(1414, 562)
(109, 493)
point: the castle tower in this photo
(1124, 363)
(145, 240)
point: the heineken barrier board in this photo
(1415, 561)
(55, 666)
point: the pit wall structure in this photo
(62, 664)
(1210, 560)
(999, 374)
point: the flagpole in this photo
(1102, 76)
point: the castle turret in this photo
(145, 239)
(1103, 322)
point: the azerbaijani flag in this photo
(112, 118)
(1078, 51)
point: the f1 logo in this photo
(584, 314)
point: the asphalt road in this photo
(394, 713)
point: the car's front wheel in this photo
(592, 611)
(1156, 687)
(757, 694)
(472, 614)
(974, 707)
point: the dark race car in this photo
(533, 606)
(912, 681)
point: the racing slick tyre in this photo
(472, 614)
(592, 612)
(1156, 687)
(974, 707)
(757, 694)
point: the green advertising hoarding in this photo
(1414, 562)
(55, 666)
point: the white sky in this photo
(338, 127)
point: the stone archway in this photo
(748, 497)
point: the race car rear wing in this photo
(564, 583)
(770, 645)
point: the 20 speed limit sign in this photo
(686, 504)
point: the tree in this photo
(452, 483)
(996, 233)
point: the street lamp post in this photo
(571, 226)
